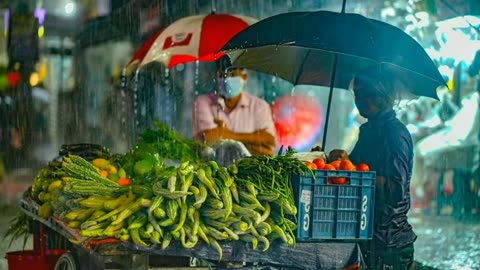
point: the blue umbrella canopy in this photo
(328, 48)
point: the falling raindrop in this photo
(292, 91)
(132, 115)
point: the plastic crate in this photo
(328, 211)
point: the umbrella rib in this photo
(443, 83)
(373, 60)
(301, 67)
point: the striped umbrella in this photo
(189, 39)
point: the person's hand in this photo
(337, 154)
(218, 133)
(223, 129)
(219, 123)
(266, 136)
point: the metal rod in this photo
(43, 244)
(332, 82)
(214, 7)
(301, 67)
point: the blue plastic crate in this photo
(328, 211)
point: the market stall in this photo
(166, 198)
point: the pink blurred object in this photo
(298, 120)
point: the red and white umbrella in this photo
(198, 37)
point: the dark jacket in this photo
(385, 144)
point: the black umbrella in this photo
(328, 48)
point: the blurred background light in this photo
(34, 79)
(70, 8)
(41, 31)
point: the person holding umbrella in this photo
(385, 144)
(302, 54)
(234, 114)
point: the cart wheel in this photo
(66, 262)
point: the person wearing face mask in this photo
(232, 113)
(385, 144)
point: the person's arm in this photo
(260, 142)
(398, 166)
(217, 133)
(260, 137)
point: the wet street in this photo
(443, 242)
(447, 243)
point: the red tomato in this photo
(319, 162)
(329, 167)
(347, 165)
(124, 182)
(363, 167)
(336, 164)
(311, 165)
(339, 180)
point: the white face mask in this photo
(233, 87)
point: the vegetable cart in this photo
(113, 254)
(258, 212)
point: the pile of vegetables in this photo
(197, 200)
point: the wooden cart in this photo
(113, 254)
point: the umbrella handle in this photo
(327, 116)
(332, 81)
